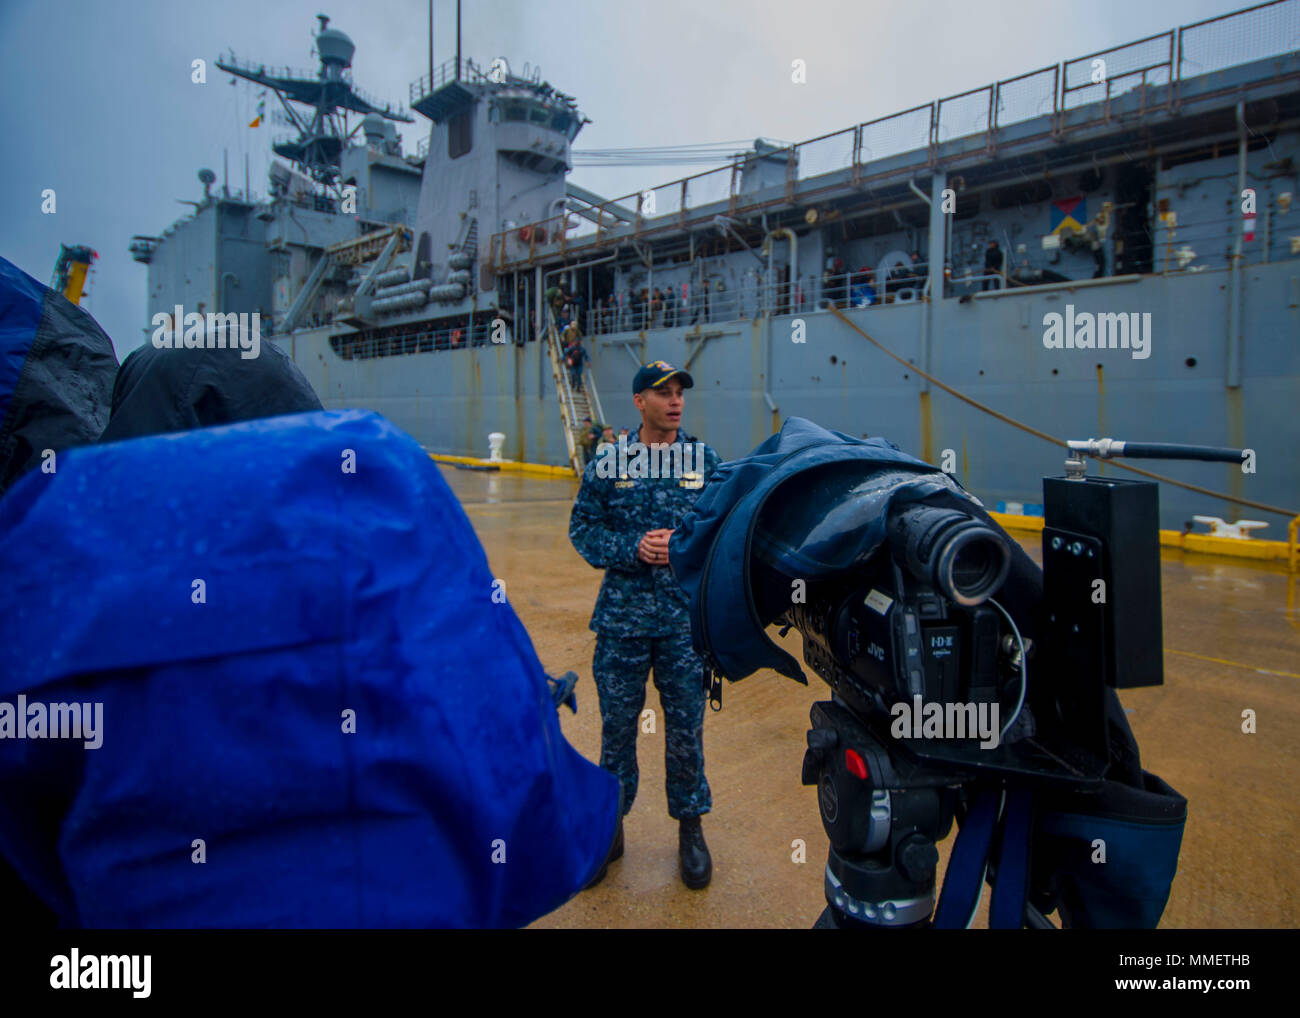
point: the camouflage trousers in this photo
(620, 667)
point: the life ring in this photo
(455, 337)
(526, 234)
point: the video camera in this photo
(919, 621)
(958, 668)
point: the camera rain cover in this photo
(830, 496)
(831, 518)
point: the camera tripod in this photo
(884, 816)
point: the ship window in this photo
(514, 111)
(538, 114)
(460, 133)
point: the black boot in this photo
(615, 852)
(696, 865)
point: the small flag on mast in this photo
(261, 112)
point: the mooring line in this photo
(1052, 438)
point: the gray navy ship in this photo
(1105, 246)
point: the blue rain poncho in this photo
(315, 713)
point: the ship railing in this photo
(809, 294)
(747, 298)
(261, 70)
(1255, 33)
(1178, 246)
(417, 339)
(229, 61)
(1100, 77)
(630, 216)
(700, 304)
(1182, 244)
(427, 84)
(961, 284)
(1265, 30)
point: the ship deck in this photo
(1232, 642)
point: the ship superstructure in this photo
(345, 188)
(964, 235)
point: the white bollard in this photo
(1239, 530)
(495, 441)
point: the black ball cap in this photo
(656, 373)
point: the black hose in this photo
(1172, 451)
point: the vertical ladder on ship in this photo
(574, 406)
(469, 245)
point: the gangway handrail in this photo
(593, 397)
(561, 387)
(568, 408)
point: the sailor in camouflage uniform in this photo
(632, 498)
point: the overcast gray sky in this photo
(96, 99)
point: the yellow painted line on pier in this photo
(1234, 664)
(506, 466)
(1232, 547)
(1014, 521)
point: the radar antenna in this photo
(330, 96)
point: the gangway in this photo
(574, 406)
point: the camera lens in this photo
(963, 558)
(972, 567)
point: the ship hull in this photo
(751, 374)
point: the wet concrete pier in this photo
(1232, 643)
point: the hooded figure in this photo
(175, 389)
(56, 374)
(303, 701)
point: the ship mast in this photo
(330, 96)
